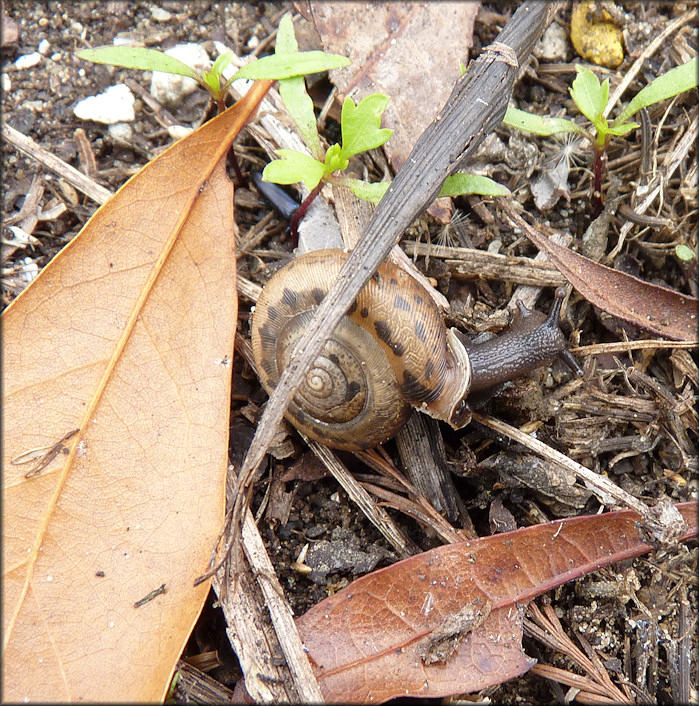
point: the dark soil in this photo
(629, 613)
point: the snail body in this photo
(389, 353)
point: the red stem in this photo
(300, 212)
(597, 200)
(240, 180)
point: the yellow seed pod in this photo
(595, 36)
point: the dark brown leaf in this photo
(651, 307)
(367, 642)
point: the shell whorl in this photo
(390, 351)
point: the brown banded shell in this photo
(391, 349)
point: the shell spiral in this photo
(390, 351)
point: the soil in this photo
(618, 610)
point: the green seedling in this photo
(591, 98)
(360, 124)
(274, 67)
(361, 130)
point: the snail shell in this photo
(390, 351)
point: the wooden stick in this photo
(82, 183)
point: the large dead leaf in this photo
(127, 337)
(373, 640)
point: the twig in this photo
(82, 183)
(254, 642)
(626, 346)
(469, 262)
(659, 520)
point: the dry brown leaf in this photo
(126, 336)
(654, 308)
(449, 621)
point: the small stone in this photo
(595, 35)
(44, 47)
(121, 133)
(553, 45)
(170, 89)
(36, 106)
(6, 83)
(9, 31)
(127, 39)
(159, 15)
(26, 61)
(115, 105)
(177, 132)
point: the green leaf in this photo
(589, 95)
(361, 124)
(622, 129)
(138, 58)
(285, 42)
(539, 125)
(675, 81)
(213, 82)
(684, 252)
(300, 107)
(220, 65)
(335, 160)
(363, 190)
(460, 183)
(294, 167)
(293, 90)
(280, 66)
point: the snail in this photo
(389, 353)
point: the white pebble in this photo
(554, 44)
(34, 106)
(115, 105)
(28, 60)
(6, 83)
(177, 132)
(28, 271)
(170, 89)
(159, 15)
(125, 39)
(44, 47)
(121, 133)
